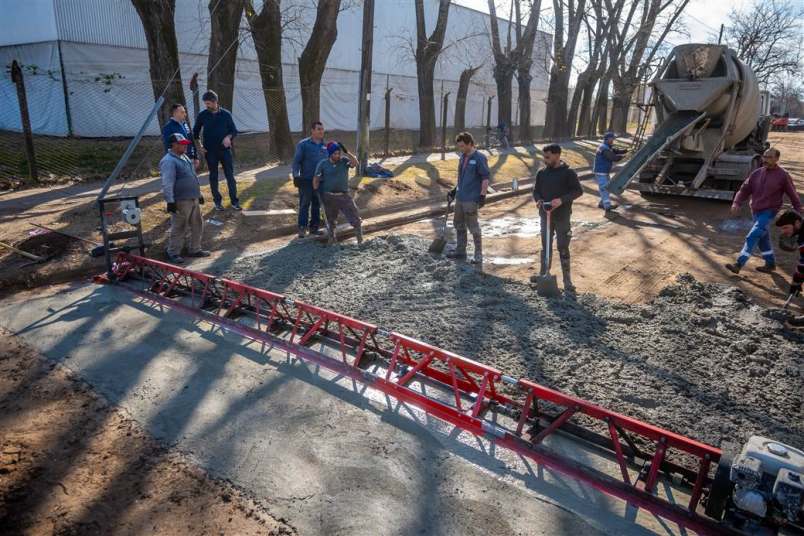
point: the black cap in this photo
(788, 217)
(210, 96)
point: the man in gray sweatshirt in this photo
(183, 197)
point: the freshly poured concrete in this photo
(328, 456)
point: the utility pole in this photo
(720, 36)
(25, 120)
(364, 105)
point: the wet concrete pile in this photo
(700, 359)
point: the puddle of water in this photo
(510, 226)
(509, 261)
(734, 225)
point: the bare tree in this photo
(767, 36)
(556, 124)
(524, 62)
(510, 59)
(580, 112)
(163, 52)
(313, 59)
(428, 48)
(463, 92)
(788, 94)
(627, 71)
(224, 40)
(266, 30)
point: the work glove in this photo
(482, 201)
(795, 289)
(343, 147)
(201, 200)
(171, 207)
(451, 194)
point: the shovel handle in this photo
(788, 300)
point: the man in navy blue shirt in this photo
(605, 157)
(177, 124)
(309, 152)
(219, 131)
(469, 195)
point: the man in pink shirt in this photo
(766, 187)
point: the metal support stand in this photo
(129, 209)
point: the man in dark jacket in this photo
(556, 187)
(309, 152)
(605, 157)
(177, 124)
(791, 224)
(219, 131)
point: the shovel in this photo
(546, 285)
(438, 245)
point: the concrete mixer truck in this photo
(708, 135)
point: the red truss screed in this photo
(524, 413)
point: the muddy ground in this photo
(71, 465)
(700, 359)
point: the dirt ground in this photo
(72, 465)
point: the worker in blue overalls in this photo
(605, 157)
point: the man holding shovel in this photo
(556, 187)
(331, 180)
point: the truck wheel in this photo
(721, 489)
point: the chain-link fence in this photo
(81, 125)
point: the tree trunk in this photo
(314, 59)
(223, 45)
(600, 117)
(163, 52)
(266, 29)
(555, 124)
(428, 48)
(503, 76)
(621, 101)
(460, 100)
(585, 110)
(575, 103)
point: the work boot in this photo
(199, 253)
(478, 258)
(769, 268)
(175, 259)
(460, 248)
(569, 288)
(302, 232)
(457, 255)
(359, 234)
(331, 237)
(734, 268)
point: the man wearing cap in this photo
(765, 187)
(605, 157)
(219, 131)
(309, 152)
(182, 193)
(791, 225)
(331, 179)
(177, 124)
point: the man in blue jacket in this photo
(177, 124)
(219, 131)
(309, 152)
(605, 157)
(469, 196)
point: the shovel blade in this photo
(437, 246)
(547, 286)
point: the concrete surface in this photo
(328, 457)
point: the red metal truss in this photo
(469, 390)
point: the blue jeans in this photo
(602, 182)
(309, 206)
(224, 157)
(759, 234)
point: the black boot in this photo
(566, 274)
(460, 247)
(478, 258)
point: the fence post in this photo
(444, 125)
(387, 115)
(68, 115)
(488, 119)
(16, 77)
(196, 102)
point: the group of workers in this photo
(321, 174)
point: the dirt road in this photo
(71, 464)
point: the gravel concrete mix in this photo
(700, 359)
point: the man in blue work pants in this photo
(759, 235)
(309, 152)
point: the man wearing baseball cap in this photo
(605, 157)
(182, 193)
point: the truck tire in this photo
(721, 489)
